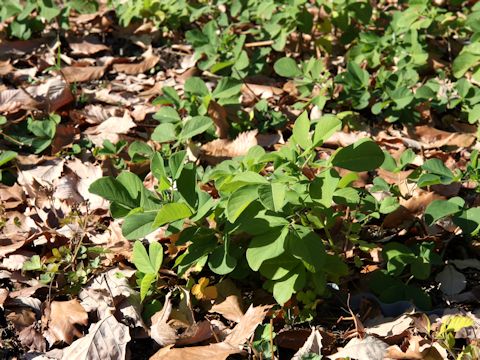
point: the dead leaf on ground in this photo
(368, 348)
(229, 301)
(435, 138)
(13, 100)
(387, 327)
(78, 74)
(22, 47)
(148, 62)
(106, 340)
(418, 348)
(53, 94)
(61, 319)
(313, 345)
(110, 129)
(219, 351)
(451, 281)
(87, 46)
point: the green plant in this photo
(285, 214)
(147, 264)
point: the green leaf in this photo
(112, 190)
(323, 186)
(278, 267)
(155, 253)
(221, 262)
(468, 220)
(195, 85)
(141, 260)
(326, 126)
(287, 67)
(364, 155)
(284, 288)
(266, 246)
(464, 62)
(272, 196)
(196, 125)
(227, 88)
(33, 264)
(138, 225)
(388, 205)
(439, 209)
(145, 284)
(170, 213)
(239, 200)
(6, 156)
(308, 247)
(165, 132)
(176, 162)
(301, 131)
(167, 114)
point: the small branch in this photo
(259, 43)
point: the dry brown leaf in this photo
(53, 94)
(6, 68)
(61, 319)
(219, 351)
(7, 246)
(313, 345)
(87, 46)
(386, 327)
(418, 349)
(106, 340)
(434, 138)
(133, 69)
(110, 129)
(368, 348)
(229, 301)
(13, 100)
(219, 116)
(77, 74)
(22, 47)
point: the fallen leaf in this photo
(434, 138)
(313, 345)
(149, 62)
(418, 348)
(204, 292)
(386, 327)
(87, 46)
(61, 319)
(368, 348)
(219, 116)
(110, 129)
(53, 94)
(106, 340)
(77, 74)
(219, 351)
(13, 100)
(228, 302)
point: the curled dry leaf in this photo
(434, 138)
(418, 348)
(386, 327)
(61, 319)
(106, 340)
(219, 116)
(52, 95)
(77, 74)
(13, 100)
(313, 345)
(219, 351)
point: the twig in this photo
(259, 43)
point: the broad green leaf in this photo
(157, 168)
(167, 114)
(468, 220)
(221, 261)
(278, 267)
(272, 196)
(170, 213)
(464, 62)
(6, 156)
(284, 288)
(364, 155)
(145, 284)
(32, 264)
(308, 247)
(155, 253)
(439, 209)
(326, 126)
(227, 88)
(176, 162)
(195, 85)
(165, 132)
(437, 167)
(388, 205)
(239, 200)
(196, 125)
(301, 131)
(112, 190)
(266, 246)
(138, 225)
(323, 186)
(141, 260)
(287, 67)
(132, 183)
